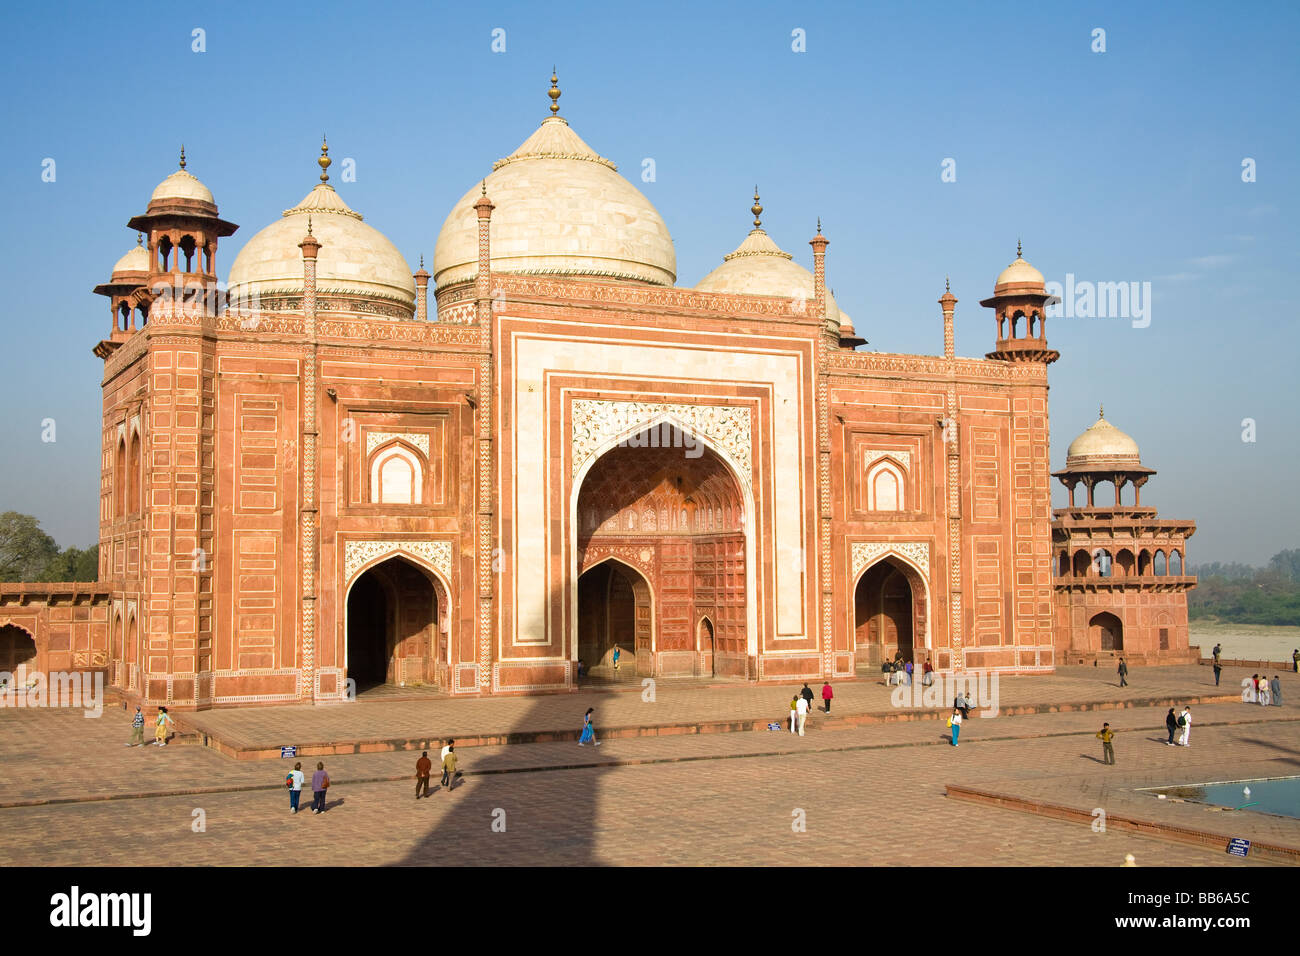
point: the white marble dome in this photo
(356, 261)
(181, 185)
(759, 266)
(137, 260)
(1019, 273)
(561, 209)
(1102, 443)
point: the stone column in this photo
(824, 343)
(310, 246)
(422, 293)
(486, 459)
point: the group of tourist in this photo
(899, 671)
(161, 726)
(320, 783)
(801, 705)
(1263, 691)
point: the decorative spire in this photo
(422, 260)
(554, 92)
(309, 224)
(757, 210)
(1018, 253)
(819, 225)
(182, 155)
(324, 160)
(139, 238)
(946, 286)
(1101, 411)
(485, 187)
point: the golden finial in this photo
(139, 238)
(1101, 411)
(946, 286)
(485, 187)
(1018, 253)
(182, 155)
(554, 92)
(757, 210)
(324, 160)
(309, 224)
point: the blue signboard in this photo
(1239, 847)
(288, 752)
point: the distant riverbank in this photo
(1256, 642)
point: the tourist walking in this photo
(807, 694)
(1295, 660)
(588, 733)
(1185, 722)
(617, 654)
(294, 782)
(1276, 686)
(1218, 649)
(827, 696)
(320, 783)
(1264, 696)
(161, 723)
(1123, 673)
(1106, 735)
(1250, 692)
(955, 723)
(449, 771)
(445, 748)
(1218, 668)
(423, 768)
(908, 669)
(927, 673)
(801, 709)
(794, 714)
(1171, 724)
(137, 728)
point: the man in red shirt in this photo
(423, 767)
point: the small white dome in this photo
(1102, 443)
(182, 185)
(760, 267)
(137, 260)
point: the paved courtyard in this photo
(71, 794)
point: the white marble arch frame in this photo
(402, 449)
(745, 485)
(890, 552)
(654, 611)
(424, 564)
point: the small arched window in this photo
(1175, 563)
(1161, 568)
(396, 476)
(133, 476)
(119, 480)
(885, 487)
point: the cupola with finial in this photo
(1019, 302)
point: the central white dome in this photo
(561, 209)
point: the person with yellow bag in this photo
(954, 722)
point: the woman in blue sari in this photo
(588, 731)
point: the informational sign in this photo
(293, 752)
(1239, 847)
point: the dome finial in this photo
(139, 238)
(1019, 255)
(554, 92)
(182, 155)
(309, 224)
(1101, 411)
(324, 161)
(819, 225)
(422, 260)
(757, 210)
(946, 286)
(485, 187)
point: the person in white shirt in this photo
(801, 708)
(445, 750)
(295, 787)
(1186, 718)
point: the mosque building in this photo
(331, 473)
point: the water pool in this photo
(1279, 795)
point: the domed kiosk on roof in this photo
(358, 270)
(561, 209)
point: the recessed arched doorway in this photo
(1106, 632)
(614, 611)
(889, 614)
(704, 645)
(17, 649)
(671, 505)
(392, 631)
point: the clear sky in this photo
(1115, 166)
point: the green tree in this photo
(25, 550)
(73, 564)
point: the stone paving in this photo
(871, 795)
(675, 703)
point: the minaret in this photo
(1020, 302)
(948, 303)
(421, 293)
(484, 409)
(308, 523)
(182, 229)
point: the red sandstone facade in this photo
(480, 492)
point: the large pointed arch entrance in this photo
(395, 626)
(614, 612)
(672, 514)
(890, 608)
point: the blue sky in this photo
(1116, 166)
